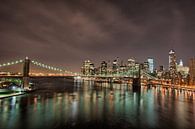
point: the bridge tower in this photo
(137, 82)
(26, 69)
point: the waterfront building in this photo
(88, 68)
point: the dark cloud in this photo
(67, 32)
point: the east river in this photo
(67, 104)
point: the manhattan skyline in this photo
(65, 33)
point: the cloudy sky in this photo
(66, 32)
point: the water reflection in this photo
(63, 103)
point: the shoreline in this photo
(11, 95)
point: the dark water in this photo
(65, 104)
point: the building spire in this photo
(181, 62)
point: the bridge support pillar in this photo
(137, 82)
(136, 85)
(25, 82)
(26, 69)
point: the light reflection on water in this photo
(64, 104)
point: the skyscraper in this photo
(103, 68)
(192, 70)
(145, 67)
(151, 65)
(161, 68)
(122, 68)
(172, 63)
(131, 66)
(88, 68)
(131, 63)
(115, 66)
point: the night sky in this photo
(66, 32)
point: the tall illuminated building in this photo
(172, 63)
(122, 68)
(192, 71)
(88, 68)
(109, 67)
(151, 65)
(131, 62)
(103, 68)
(145, 66)
(131, 66)
(115, 66)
